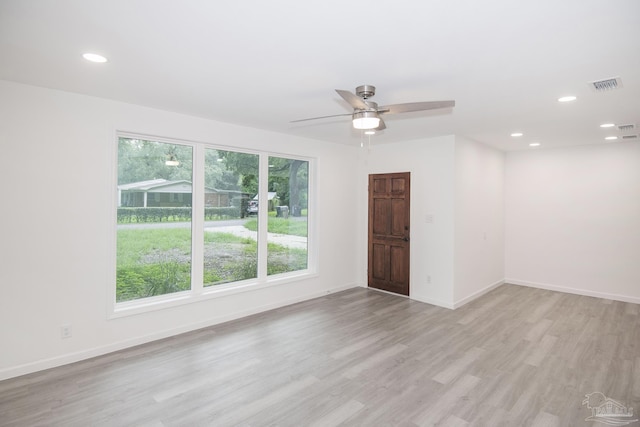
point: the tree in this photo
(142, 160)
(289, 178)
(245, 166)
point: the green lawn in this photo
(135, 243)
(293, 226)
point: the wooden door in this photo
(389, 198)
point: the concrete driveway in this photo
(287, 240)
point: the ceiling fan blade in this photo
(321, 117)
(381, 126)
(354, 100)
(415, 106)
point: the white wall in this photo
(58, 177)
(431, 163)
(573, 220)
(479, 220)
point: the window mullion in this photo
(263, 212)
(197, 219)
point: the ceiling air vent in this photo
(626, 128)
(629, 136)
(607, 84)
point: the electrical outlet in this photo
(65, 331)
(429, 279)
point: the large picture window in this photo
(189, 218)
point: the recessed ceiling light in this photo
(611, 138)
(94, 57)
(567, 98)
(534, 144)
(517, 134)
(607, 125)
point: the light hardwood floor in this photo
(514, 357)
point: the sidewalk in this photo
(287, 240)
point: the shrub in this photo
(173, 214)
(148, 280)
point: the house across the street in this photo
(165, 193)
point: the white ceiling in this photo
(264, 63)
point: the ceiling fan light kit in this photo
(366, 120)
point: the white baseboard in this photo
(432, 301)
(576, 291)
(478, 294)
(461, 302)
(66, 359)
(415, 298)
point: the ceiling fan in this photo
(366, 114)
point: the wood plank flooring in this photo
(515, 357)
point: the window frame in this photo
(198, 292)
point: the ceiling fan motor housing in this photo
(365, 91)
